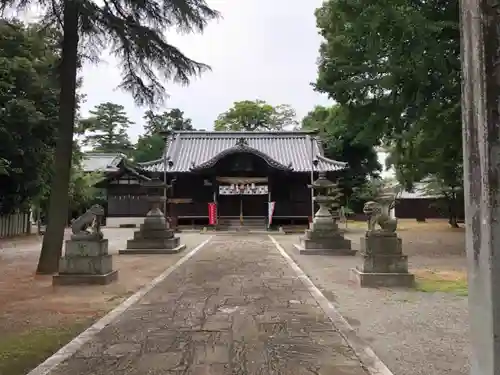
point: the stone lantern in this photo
(324, 236)
(154, 235)
(154, 194)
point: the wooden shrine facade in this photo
(241, 172)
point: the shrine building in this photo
(247, 176)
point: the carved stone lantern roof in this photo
(322, 183)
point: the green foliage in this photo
(396, 62)
(343, 139)
(370, 190)
(136, 33)
(28, 111)
(150, 146)
(166, 121)
(81, 192)
(377, 188)
(396, 65)
(106, 129)
(255, 115)
(4, 166)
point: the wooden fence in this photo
(15, 224)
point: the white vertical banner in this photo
(270, 211)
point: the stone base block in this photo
(136, 251)
(375, 280)
(154, 222)
(384, 263)
(153, 234)
(153, 243)
(322, 235)
(386, 244)
(86, 265)
(339, 251)
(327, 243)
(328, 226)
(85, 248)
(83, 279)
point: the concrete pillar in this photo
(480, 26)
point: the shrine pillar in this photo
(480, 29)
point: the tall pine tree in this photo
(150, 146)
(106, 129)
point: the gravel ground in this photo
(27, 301)
(413, 333)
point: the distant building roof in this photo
(101, 162)
(193, 150)
(418, 192)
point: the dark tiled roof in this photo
(101, 162)
(191, 150)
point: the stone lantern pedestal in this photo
(324, 237)
(154, 235)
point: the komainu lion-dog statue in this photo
(91, 218)
(377, 216)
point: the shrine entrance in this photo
(244, 200)
(254, 205)
(242, 205)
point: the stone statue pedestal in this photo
(154, 237)
(384, 264)
(324, 238)
(86, 261)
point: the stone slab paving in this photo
(236, 307)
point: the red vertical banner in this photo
(212, 213)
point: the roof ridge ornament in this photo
(242, 142)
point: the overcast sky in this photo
(260, 49)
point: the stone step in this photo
(146, 243)
(248, 223)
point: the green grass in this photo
(458, 287)
(22, 352)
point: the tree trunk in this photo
(59, 200)
(452, 213)
(453, 221)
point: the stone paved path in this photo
(235, 307)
